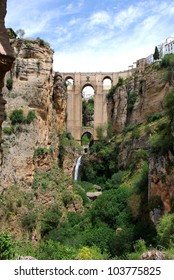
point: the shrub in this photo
(114, 211)
(154, 117)
(101, 235)
(167, 61)
(11, 33)
(41, 151)
(30, 117)
(169, 103)
(42, 43)
(123, 241)
(165, 231)
(131, 127)
(161, 144)
(140, 246)
(50, 220)
(50, 250)
(9, 84)
(29, 220)
(86, 253)
(17, 116)
(7, 247)
(8, 130)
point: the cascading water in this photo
(76, 171)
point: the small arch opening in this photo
(88, 92)
(87, 141)
(69, 83)
(107, 83)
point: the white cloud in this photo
(100, 17)
(125, 17)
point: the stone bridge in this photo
(74, 100)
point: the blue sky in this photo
(94, 35)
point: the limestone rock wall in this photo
(117, 109)
(161, 180)
(6, 60)
(150, 88)
(33, 90)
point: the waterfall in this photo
(76, 172)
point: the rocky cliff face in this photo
(6, 60)
(32, 143)
(140, 96)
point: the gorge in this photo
(129, 165)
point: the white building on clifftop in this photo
(167, 47)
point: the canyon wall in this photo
(39, 95)
(142, 96)
(6, 60)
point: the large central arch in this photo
(74, 99)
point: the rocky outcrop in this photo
(161, 180)
(117, 109)
(59, 100)
(142, 95)
(6, 60)
(93, 195)
(32, 145)
(151, 88)
(153, 255)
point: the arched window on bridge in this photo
(88, 106)
(107, 83)
(70, 83)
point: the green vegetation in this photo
(114, 88)
(9, 84)
(17, 117)
(11, 33)
(8, 130)
(7, 248)
(154, 117)
(132, 97)
(169, 104)
(42, 43)
(41, 151)
(165, 231)
(30, 117)
(156, 54)
(167, 63)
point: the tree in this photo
(11, 33)
(20, 33)
(156, 54)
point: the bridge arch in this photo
(87, 84)
(69, 81)
(87, 139)
(107, 82)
